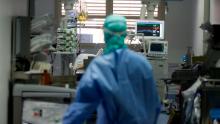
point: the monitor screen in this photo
(42, 112)
(156, 47)
(150, 29)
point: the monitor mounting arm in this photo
(69, 4)
(149, 6)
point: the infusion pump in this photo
(156, 48)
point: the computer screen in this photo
(156, 47)
(151, 29)
(42, 112)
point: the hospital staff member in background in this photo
(118, 84)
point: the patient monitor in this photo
(151, 29)
(151, 32)
(157, 48)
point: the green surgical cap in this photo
(114, 33)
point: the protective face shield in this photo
(114, 33)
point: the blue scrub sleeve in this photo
(155, 97)
(157, 100)
(86, 102)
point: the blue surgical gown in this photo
(120, 86)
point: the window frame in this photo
(109, 10)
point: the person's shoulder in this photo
(136, 55)
(100, 60)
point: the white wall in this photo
(198, 17)
(214, 11)
(178, 28)
(43, 7)
(20, 8)
(6, 13)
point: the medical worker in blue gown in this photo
(118, 84)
